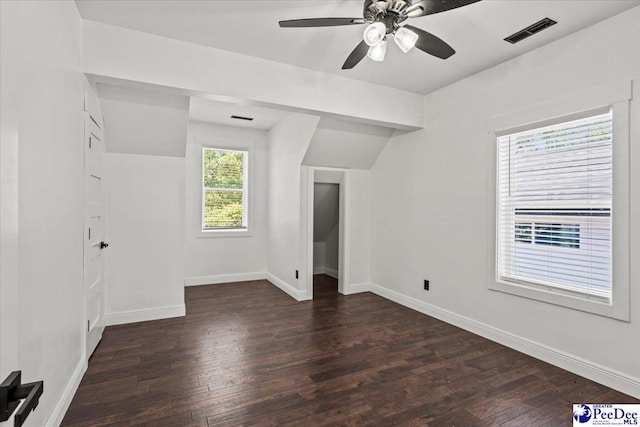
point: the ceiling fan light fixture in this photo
(405, 39)
(387, 17)
(378, 51)
(374, 33)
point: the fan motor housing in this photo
(390, 13)
(390, 20)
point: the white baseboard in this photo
(331, 272)
(62, 405)
(356, 288)
(224, 278)
(569, 362)
(298, 295)
(144, 315)
(318, 270)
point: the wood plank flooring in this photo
(248, 354)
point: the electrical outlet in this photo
(296, 274)
(426, 285)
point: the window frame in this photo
(221, 145)
(617, 97)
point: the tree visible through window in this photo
(224, 176)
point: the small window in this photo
(555, 187)
(224, 189)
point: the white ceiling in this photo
(251, 27)
(205, 110)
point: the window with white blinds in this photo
(555, 187)
(224, 189)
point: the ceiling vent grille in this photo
(249, 119)
(530, 30)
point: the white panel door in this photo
(94, 224)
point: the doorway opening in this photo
(326, 238)
(335, 196)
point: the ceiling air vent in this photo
(249, 119)
(530, 30)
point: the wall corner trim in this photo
(224, 278)
(572, 363)
(356, 288)
(297, 294)
(64, 401)
(144, 315)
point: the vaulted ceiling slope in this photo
(141, 121)
(251, 27)
(343, 144)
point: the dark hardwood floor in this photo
(248, 354)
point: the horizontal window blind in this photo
(224, 189)
(554, 206)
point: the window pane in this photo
(523, 232)
(564, 235)
(224, 184)
(223, 169)
(222, 209)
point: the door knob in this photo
(103, 245)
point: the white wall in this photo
(10, 98)
(319, 262)
(429, 208)
(331, 251)
(42, 128)
(224, 259)
(145, 230)
(357, 233)
(325, 210)
(288, 142)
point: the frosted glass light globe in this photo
(374, 33)
(378, 51)
(405, 39)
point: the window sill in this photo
(557, 297)
(224, 233)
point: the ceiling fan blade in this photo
(320, 22)
(356, 56)
(431, 44)
(429, 7)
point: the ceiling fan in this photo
(385, 18)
